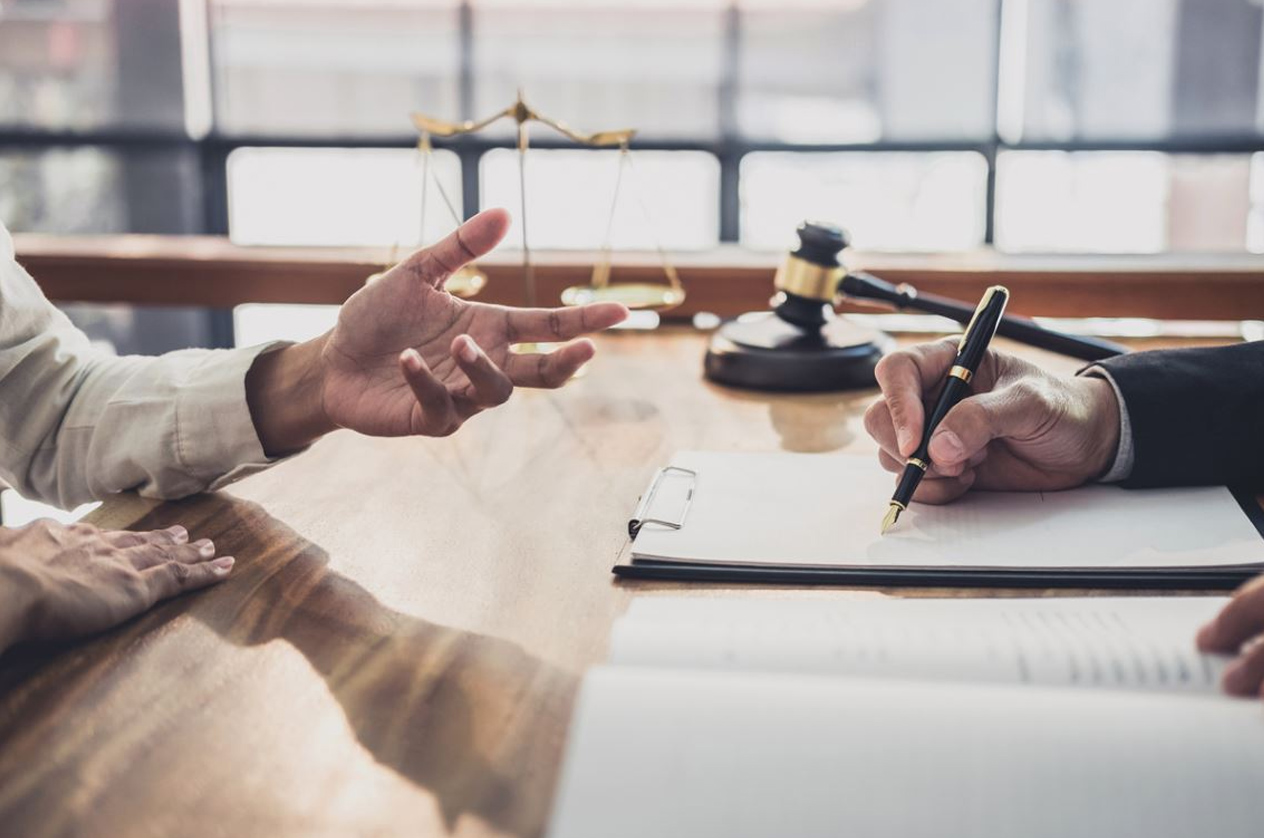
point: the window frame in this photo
(729, 147)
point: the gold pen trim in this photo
(992, 291)
(962, 373)
(922, 464)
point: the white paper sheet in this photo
(1131, 643)
(825, 510)
(678, 754)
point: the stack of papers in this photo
(1051, 717)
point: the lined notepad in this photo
(814, 510)
(1040, 718)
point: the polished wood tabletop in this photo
(398, 649)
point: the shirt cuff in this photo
(216, 440)
(1121, 468)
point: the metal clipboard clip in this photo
(639, 518)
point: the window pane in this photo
(339, 196)
(312, 67)
(83, 64)
(256, 323)
(1122, 202)
(88, 191)
(887, 201)
(855, 71)
(651, 66)
(1131, 69)
(62, 191)
(671, 197)
(1255, 221)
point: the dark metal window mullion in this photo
(470, 157)
(729, 151)
(994, 146)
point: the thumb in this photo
(470, 241)
(977, 420)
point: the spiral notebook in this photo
(807, 518)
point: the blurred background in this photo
(1050, 126)
(1101, 126)
(1031, 126)
(925, 124)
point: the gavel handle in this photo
(865, 286)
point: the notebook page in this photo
(1129, 643)
(672, 753)
(825, 510)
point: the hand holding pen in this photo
(970, 352)
(1016, 427)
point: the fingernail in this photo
(467, 350)
(205, 546)
(412, 359)
(179, 533)
(903, 437)
(222, 565)
(948, 447)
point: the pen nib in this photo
(893, 515)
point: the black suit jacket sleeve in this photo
(1197, 415)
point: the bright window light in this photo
(570, 193)
(338, 196)
(886, 200)
(256, 323)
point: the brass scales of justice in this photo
(800, 345)
(470, 280)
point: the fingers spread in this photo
(435, 414)
(1241, 620)
(527, 325)
(906, 377)
(143, 556)
(551, 369)
(176, 534)
(171, 578)
(471, 240)
(125, 538)
(489, 385)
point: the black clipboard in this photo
(1139, 579)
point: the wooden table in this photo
(399, 646)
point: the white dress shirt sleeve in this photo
(77, 423)
(1121, 468)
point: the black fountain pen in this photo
(970, 352)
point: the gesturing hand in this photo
(1239, 630)
(1022, 429)
(408, 358)
(58, 582)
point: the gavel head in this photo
(807, 282)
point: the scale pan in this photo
(465, 283)
(637, 295)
